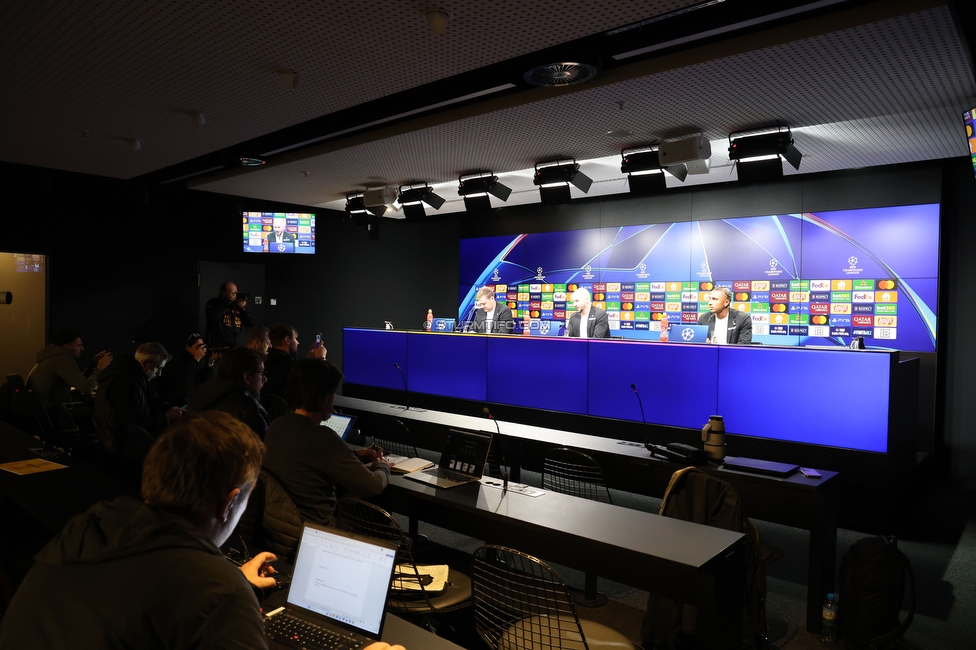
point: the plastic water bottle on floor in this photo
(830, 619)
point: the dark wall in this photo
(124, 258)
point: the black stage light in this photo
(475, 189)
(554, 179)
(643, 169)
(357, 209)
(758, 156)
(413, 197)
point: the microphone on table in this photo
(405, 390)
(504, 466)
(654, 449)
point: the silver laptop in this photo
(339, 588)
(462, 461)
(341, 424)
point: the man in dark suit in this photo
(597, 323)
(492, 317)
(726, 325)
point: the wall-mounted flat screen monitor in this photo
(970, 118)
(807, 278)
(279, 232)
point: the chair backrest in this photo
(271, 521)
(519, 602)
(364, 518)
(569, 471)
(26, 411)
(391, 434)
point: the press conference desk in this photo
(793, 501)
(692, 563)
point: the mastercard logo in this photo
(627, 306)
(572, 287)
(599, 296)
(655, 316)
(707, 286)
(886, 284)
(742, 297)
(818, 320)
(780, 307)
(534, 313)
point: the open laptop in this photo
(680, 333)
(443, 325)
(341, 424)
(462, 460)
(339, 587)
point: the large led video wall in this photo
(820, 278)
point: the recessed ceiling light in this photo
(250, 162)
(619, 133)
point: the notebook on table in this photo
(341, 424)
(462, 460)
(757, 466)
(338, 592)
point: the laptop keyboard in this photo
(288, 630)
(438, 472)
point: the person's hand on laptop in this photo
(380, 645)
(258, 572)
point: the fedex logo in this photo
(760, 318)
(863, 296)
(657, 287)
(689, 296)
(535, 288)
(819, 285)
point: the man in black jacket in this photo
(127, 419)
(235, 390)
(226, 318)
(726, 325)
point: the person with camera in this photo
(227, 318)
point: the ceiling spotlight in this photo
(134, 143)
(356, 208)
(437, 20)
(475, 189)
(197, 117)
(290, 77)
(758, 155)
(412, 198)
(246, 161)
(643, 169)
(555, 177)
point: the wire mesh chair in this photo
(364, 518)
(520, 603)
(392, 435)
(572, 472)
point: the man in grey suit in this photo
(726, 325)
(597, 323)
(492, 317)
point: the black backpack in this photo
(872, 587)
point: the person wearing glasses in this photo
(235, 390)
(188, 368)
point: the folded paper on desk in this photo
(433, 577)
(756, 466)
(32, 466)
(405, 465)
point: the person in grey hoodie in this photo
(56, 372)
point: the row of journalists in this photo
(822, 308)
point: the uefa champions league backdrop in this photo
(806, 279)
